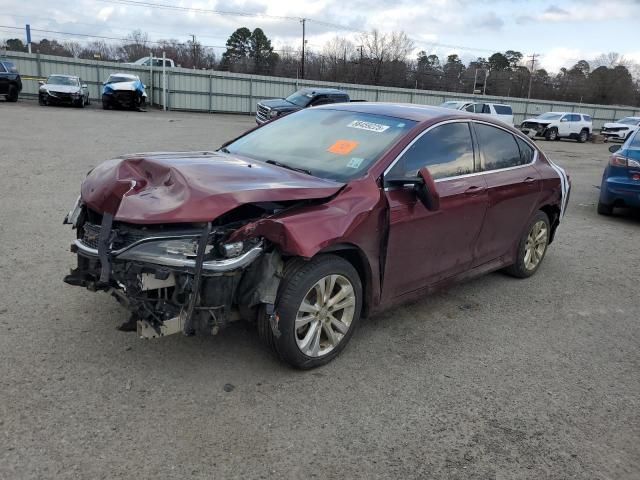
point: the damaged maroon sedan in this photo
(312, 221)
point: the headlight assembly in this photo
(172, 252)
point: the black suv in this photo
(10, 81)
(307, 97)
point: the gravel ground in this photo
(496, 378)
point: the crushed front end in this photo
(172, 278)
(534, 129)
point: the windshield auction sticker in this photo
(372, 127)
(343, 147)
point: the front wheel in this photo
(532, 247)
(604, 209)
(318, 307)
(551, 134)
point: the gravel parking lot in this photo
(496, 378)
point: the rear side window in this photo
(447, 151)
(503, 109)
(586, 118)
(2, 69)
(499, 148)
(526, 151)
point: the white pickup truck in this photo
(557, 125)
(497, 110)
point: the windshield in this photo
(117, 79)
(550, 116)
(300, 98)
(333, 144)
(60, 80)
(629, 121)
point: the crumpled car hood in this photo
(618, 125)
(184, 187)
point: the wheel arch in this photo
(357, 258)
(553, 213)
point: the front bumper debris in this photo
(165, 294)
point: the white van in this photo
(498, 110)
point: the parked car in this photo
(497, 110)
(10, 81)
(123, 90)
(157, 62)
(63, 90)
(307, 97)
(621, 177)
(621, 129)
(557, 125)
(309, 222)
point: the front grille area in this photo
(62, 97)
(613, 129)
(263, 113)
(533, 125)
(123, 238)
(125, 98)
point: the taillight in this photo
(618, 160)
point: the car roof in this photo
(321, 90)
(407, 111)
(62, 75)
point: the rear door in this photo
(425, 247)
(513, 187)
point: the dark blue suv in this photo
(10, 81)
(621, 179)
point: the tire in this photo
(80, 104)
(529, 247)
(551, 134)
(12, 96)
(41, 100)
(317, 340)
(106, 105)
(583, 136)
(604, 209)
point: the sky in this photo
(562, 32)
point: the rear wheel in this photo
(584, 136)
(604, 209)
(532, 247)
(106, 104)
(551, 134)
(12, 95)
(318, 308)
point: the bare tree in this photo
(336, 53)
(382, 48)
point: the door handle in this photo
(474, 189)
(529, 180)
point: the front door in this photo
(4, 80)
(425, 247)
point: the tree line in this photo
(384, 59)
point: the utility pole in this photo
(533, 62)
(303, 21)
(193, 47)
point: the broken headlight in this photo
(173, 252)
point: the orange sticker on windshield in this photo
(343, 147)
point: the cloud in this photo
(491, 21)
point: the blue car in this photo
(123, 90)
(621, 179)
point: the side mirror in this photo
(564, 120)
(423, 185)
(84, 85)
(614, 148)
(40, 82)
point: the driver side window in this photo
(446, 151)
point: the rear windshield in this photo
(333, 144)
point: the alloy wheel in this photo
(536, 245)
(325, 315)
